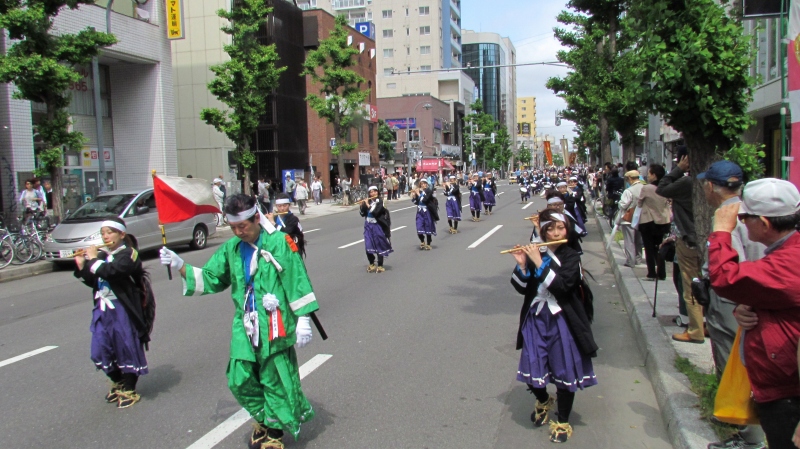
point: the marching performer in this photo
(489, 191)
(376, 230)
(119, 328)
(524, 187)
(453, 205)
(475, 196)
(555, 333)
(272, 296)
(555, 202)
(422, 196)
(285, 221)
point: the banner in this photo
(793, 57)
(175, 28)
(548, 152)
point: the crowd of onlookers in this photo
(743, 278)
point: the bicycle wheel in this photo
(22, 250)
(37, 250)
(6, 252)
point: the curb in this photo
(678, 404)
(27, 270)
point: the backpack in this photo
(148, 304)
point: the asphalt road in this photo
(421, 356)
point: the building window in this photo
(408, 31)
(387, 13)
(371, 133)
(524, 101)
(424, 31)
(388, 71)
(524, 116)
(361, 134)
(425, 50)
(406, 12)
(388, 33)
(388, 52)
(524, 108)
(424, 10)
(437, 135)
(348, 137)
(425, 68)
(391, 85)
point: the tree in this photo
(479, 122)
(502, 153)
(341, 102)
(524, 155)
(696, 61)
(386, 140)
(558, 160)
(42, 67)
(244, 82)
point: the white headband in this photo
(561, 184)
(556, 217)
(242, 216)
(554, 200)
(283, 201)
(114, 225)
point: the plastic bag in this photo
(637, 215)
(734, 403)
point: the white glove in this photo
(168, 257)
(303, 331)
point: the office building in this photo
(526, 123)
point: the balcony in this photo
(455, 6)
(348, 4)
(455, 43)
(455, 25)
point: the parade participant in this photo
(376, 230)
(422, 196)
(554, 333)
(576, 190)
(524, 187)
(119, 328)
(219, 196)
(273, 297)
(285, 221)
(475, 196)
(453, 206)
(555, 202)
(489, 191)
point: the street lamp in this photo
(407, 160)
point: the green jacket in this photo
(290, 285)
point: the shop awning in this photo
(434, 164)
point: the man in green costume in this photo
(273, 297)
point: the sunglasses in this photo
(743, 217)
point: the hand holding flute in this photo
(518, 248)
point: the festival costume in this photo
(119, 330)
(263, 372)
(475, 199)
(376, 233)
(290, 224)
(489, 191)
(554, 335)
(426, 224)
(453, 206)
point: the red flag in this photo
(548, 152)
(179, 199)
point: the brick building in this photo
(362, 163)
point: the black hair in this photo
(658, 171)
(631, 165)
(554, 194)
(681, 151)
(784, 223)
(282, 196)
(547, 215)
(614, 171)
(238, 203)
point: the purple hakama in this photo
(550, 355)
(375, 240)
(425, 223)
(115, 341)
(488, 197)
(453, 209)
(474, 201)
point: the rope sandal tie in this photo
(259, 434)
(540, 416)
(272, 443)
(560, 432)
(127, 398)
(111, 397)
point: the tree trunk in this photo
(57, 183)
(605, 140)
(702, 153)
(628, 145)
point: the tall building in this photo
(526, 123)
(137, 108)
(490, 60)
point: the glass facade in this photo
(491, 82)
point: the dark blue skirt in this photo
(115, 341)
(375, 240)
(474, 201)
(550, 355)
(488, 197)
(425, 223)
(453, 210)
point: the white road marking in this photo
(500, 193)
(397, 210)
(527, 205)
(26, 355)
(362, 240)
(401, 227)
(239, 418)
(485, 236)
(306, 232)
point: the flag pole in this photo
(163, 236)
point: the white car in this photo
(138, 208)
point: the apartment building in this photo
(526, 122)
(137, 108)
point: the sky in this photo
(529, 24)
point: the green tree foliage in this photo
(244, 82)
(42, 66)
(386, 140)
(341, 99)
(502, 151)
(482, 123)
(558, 160)
(696, 61)
(524, 156)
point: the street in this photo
(421, 356)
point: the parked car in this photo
(81, 229)
(512, 179)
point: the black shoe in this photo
(259, 435)
(560, 432)
(735, 442)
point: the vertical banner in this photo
(175, 29)
(793, 56)
(548, 152)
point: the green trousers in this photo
(269, 389)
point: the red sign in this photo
(434, 165)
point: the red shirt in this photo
(772, 287)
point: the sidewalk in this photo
(678, 404)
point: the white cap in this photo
(770, 197)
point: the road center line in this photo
(500, 193)
(306, 232)
(26, 355)
(239, 418)
(485, 236)
(401, 227)
(398, 210)
(527, 205)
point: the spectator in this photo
(48, 194)
(219, 198)
(614, 184)
(316, 190)
(263, 195)
(395, 187)
(632, 237)
(722, 185)
(676, 186)
(289, 185)
(389, 183)
(223, 188)
(653, 223)
(769, 211)
(346, 183)
(301, 196)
